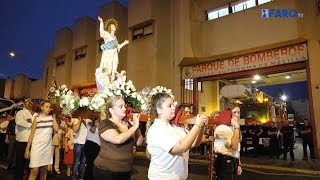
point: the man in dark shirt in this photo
(10, 140)
(255, 132)
(287, 133)
(273, 143)
(3, 129)
(307, 139)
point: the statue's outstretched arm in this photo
(103, 33)
(122, 44)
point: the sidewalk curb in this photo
(279, 168)
(257, 166)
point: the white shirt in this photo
(163, 165)
(23, 127)
(80, 137)
(222, 142)
(94, 137)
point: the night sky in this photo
(293, 91)
(28, 27)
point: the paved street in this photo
(261, 168)
(197, 171)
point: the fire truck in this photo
(256, 105)
(264, 110)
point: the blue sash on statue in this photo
(109, 44)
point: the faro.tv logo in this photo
(280, 13)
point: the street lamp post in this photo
(20, 57)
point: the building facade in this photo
(183, 42)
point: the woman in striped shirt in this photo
(40, 141)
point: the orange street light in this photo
(20, 58)
(12, 54)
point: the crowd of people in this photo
(30, 140)
(281, 139)
(37, 142)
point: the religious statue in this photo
(110, 48)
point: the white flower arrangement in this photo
(97, 101)
(120, 87)
(127, 91)
(68, 101)
(162, 89)
(84, 102)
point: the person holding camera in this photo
(227, 147)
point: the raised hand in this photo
(135, 121)
(234, 123)
(100, 19)
(201, 120)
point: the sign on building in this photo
(274, 57)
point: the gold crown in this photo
(110, 21)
